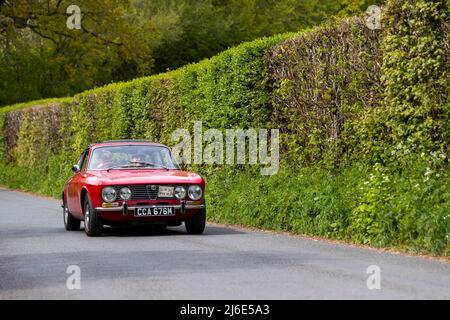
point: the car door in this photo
(75, 185)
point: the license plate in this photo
(154, 212)
(165, 192)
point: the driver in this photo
(138, 158)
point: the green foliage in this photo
(123, 39)
(49, 138)
(325, 81)
(362, 204)
(192, 30)
(306, 201)
(369, 217)
(415, 74)
(41, 57)
(351, 7)
(230, 90)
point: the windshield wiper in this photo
(118, 167)
(141, 164)
(149, 164)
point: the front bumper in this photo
(126, 213)
(177, 207)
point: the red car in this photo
(132, 182)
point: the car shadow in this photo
(149, 231)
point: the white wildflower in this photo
(429, 172)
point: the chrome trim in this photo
(109, 209)
(177, 206)
(145, 191)
(195, 206)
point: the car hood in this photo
(151, 176)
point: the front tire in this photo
(70, 223)
(93, 224)
(196, 225)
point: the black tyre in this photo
(70, 223)
(93, 224)
(196, 225)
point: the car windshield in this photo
(131, 157)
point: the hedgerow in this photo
(324, 82)
(364, 117)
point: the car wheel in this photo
(93, 224)
(70, 223)
(196, 225)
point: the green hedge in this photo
(324, 83)
(230, 90)
(358, 203)
(364, 116)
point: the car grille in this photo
(142, 192)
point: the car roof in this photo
(110, 143)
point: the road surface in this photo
(224, 263)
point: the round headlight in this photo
(125, 193)
(195, 192)
(109, 194)
(180, 192)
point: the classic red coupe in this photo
(131, 182)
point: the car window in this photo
(82, 162)
(85, 160)
(131, 156)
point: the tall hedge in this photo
(416, 74)
(364, 116)
(230, 90)
(324, 82)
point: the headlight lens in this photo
(180, 192)
(195, 192)
(109, 194)
(125, 193)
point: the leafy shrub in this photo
(415, 79)
(325, 81)
(362, 203)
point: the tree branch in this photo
(39, 33)
(101, 38)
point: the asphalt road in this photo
(224, 263)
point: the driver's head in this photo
(137, 158)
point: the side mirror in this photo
(76, 168)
